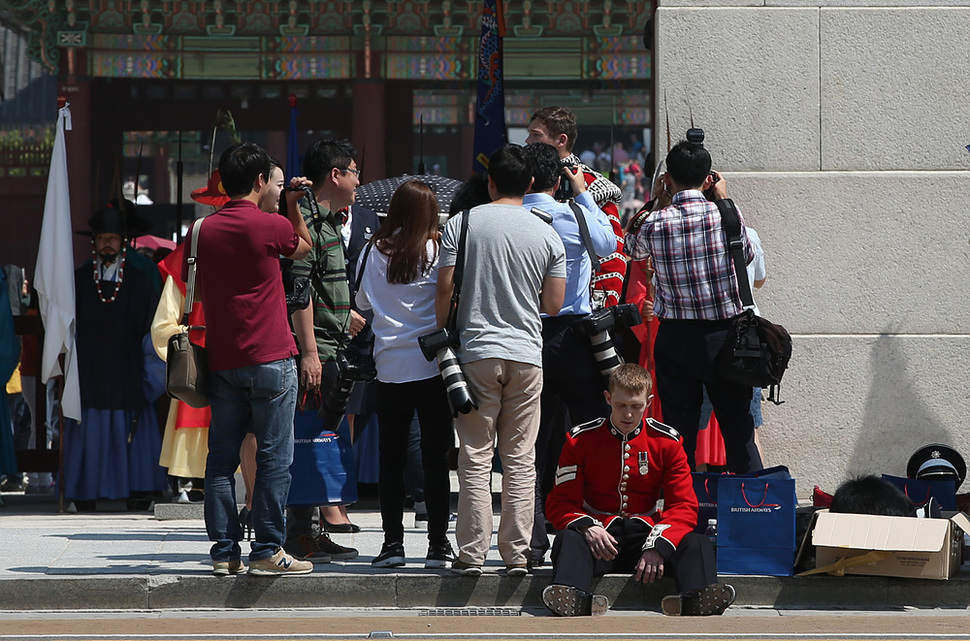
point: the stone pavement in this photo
(128, 560)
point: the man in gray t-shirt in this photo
(515, 268)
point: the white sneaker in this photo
(279, 563)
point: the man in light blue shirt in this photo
(571, 376)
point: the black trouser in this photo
(686, 356)
(396, 404)
(571, 382)
(692, 564)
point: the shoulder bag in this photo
(187, 364)
(756, 352)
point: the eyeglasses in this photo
(355, 172)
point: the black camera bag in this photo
(756, 351)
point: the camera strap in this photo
(360, 271)
(594, 260)
(731, 222)
(452, 321)
(584, 232)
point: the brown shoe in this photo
(305, 548)
(567, 601)
(225, 568)
(709, 601)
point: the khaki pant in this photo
(507, 393)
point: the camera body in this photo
(696, 136)
(601, 320)
(436, 341)
(565, 191)
(441, 344)
(627, 315)
(597, 327)
(351, 367)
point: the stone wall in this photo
(840, 127)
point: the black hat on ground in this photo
(937, 461)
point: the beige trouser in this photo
(507, 393)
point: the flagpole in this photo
(421, 146)
(178, 192)
(293, 142)
(54, 276)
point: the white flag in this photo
(54, 278)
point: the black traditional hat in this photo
(937, 461)
(106, 221)
(111, 220)
(135, 224)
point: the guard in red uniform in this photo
(604, 505)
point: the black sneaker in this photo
(709, 601)
(439, 555)
(391, 556)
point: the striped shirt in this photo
(693, 273)
(329, 289)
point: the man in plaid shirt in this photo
(696, 298)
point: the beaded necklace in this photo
(121, 275)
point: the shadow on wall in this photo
(898, 419)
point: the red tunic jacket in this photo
(604, 474)
(608, 279)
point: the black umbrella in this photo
(377, 195)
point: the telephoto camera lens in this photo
(440, 344)
(459, 394)
(597, 327)
(605, 353)
(334, 404)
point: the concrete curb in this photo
(436, 589)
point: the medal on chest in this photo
(643, 462)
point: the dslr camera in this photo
(565, 191)
(597, 327)
(352, 367)
(441, 344)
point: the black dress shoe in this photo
(340, 528)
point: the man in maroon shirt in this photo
(252, 373)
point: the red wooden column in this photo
(369, 129)
(75, 85)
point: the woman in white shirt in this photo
(400, 272)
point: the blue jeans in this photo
(259, 399)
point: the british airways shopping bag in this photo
(323, 470)
(756, 526)
(920, 491)
(705, 487)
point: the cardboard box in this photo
(902, 546)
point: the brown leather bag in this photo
(187, 364)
